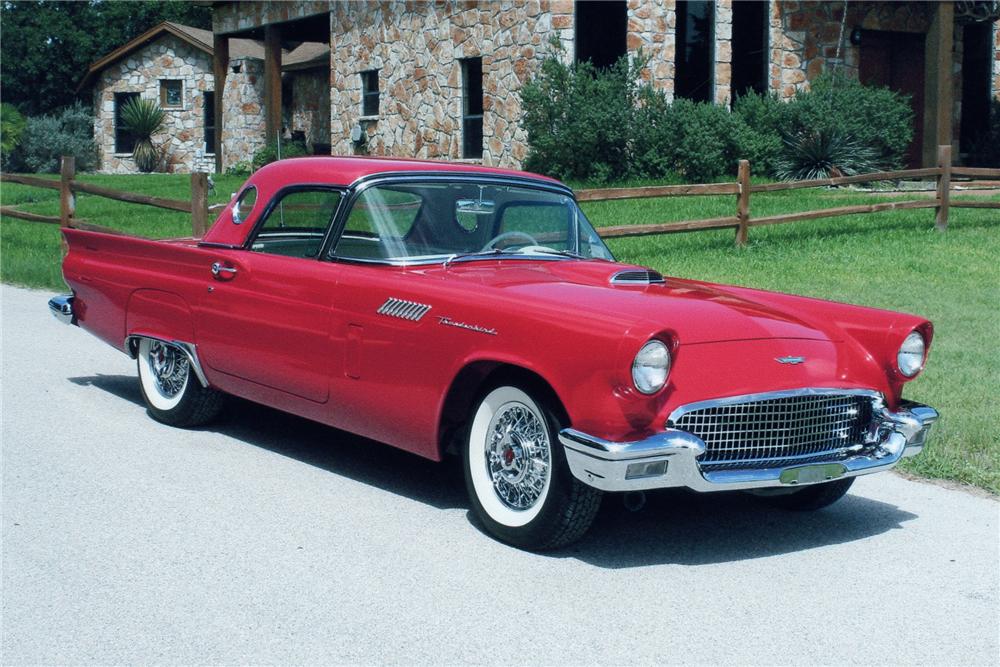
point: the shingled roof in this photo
(306, 55)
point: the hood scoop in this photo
(637, 277)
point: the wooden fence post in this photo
(743, 203)
(199, 204)
(67, 200)
(943, 187)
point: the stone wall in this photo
(417, 48)
(651, 28)
(235, 16)
(310, 107)
(243, 112)
(996, 60)
(183, 137)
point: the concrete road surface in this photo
(269, 539)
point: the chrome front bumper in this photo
(61, 308)
(670, 458)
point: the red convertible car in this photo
(456, 309)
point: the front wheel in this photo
(172, 394)
(516, 474)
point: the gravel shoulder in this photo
(268, 539)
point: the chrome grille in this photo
(770, 432)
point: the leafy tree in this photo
(48, 45)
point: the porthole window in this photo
(244, 205)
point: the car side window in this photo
(297, 223)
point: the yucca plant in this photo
(143, 118)
(825, 153)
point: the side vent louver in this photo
(404, 310)
(637, 277)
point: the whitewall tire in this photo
(519, 484)
(170, 388)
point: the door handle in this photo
(221, 272)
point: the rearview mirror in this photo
(475, 206)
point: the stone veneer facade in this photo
(418, 46)
(417, 49)
(182, 137)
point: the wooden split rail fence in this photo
(68, 188)
(742, 189)
(741, 220)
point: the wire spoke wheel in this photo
(518, 456)
(170, 368)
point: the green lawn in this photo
(890, 260)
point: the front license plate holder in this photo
(812, 474)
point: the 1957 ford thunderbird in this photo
(456, 309)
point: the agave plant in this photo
(815, 154)
(144, 118)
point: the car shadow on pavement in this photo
(689, 528)
(675, 525)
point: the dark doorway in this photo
(977, 54)
(600, 31)
(895, 60)
(695, 36)
(750, 23)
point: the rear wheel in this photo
(813, 497)
(516, 474)
(172, 394)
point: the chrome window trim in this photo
(279, 195)
(878, 399)
(358, 187)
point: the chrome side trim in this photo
(190, 350)
(403, 309)
(61, 308)
(604, 464)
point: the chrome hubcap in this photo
(170, 368)
(517, 456)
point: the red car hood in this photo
(697, 312)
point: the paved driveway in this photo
(269, 539)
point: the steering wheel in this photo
(506, 235)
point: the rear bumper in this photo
(61, 308)
(670, 458)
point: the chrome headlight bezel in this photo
(912, 355)
(651, 367)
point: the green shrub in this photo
(579, 119)
(824, 154)
(144, 118)
(46, 138)
(759, 134)
(875, 117)
(12, 125)
(269, 153)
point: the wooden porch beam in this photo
(220, 68)
(272, 82)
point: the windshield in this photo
(435, 221)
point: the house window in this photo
(472, 108)
(695, 33)
(171, 93)
(369, 93)
(749, 47)
(124, 139)
(600, 31)
(977, 57)
(209, 121)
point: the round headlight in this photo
(651, 367)
(910, 358)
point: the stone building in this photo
(443, 79)
(172, 64)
